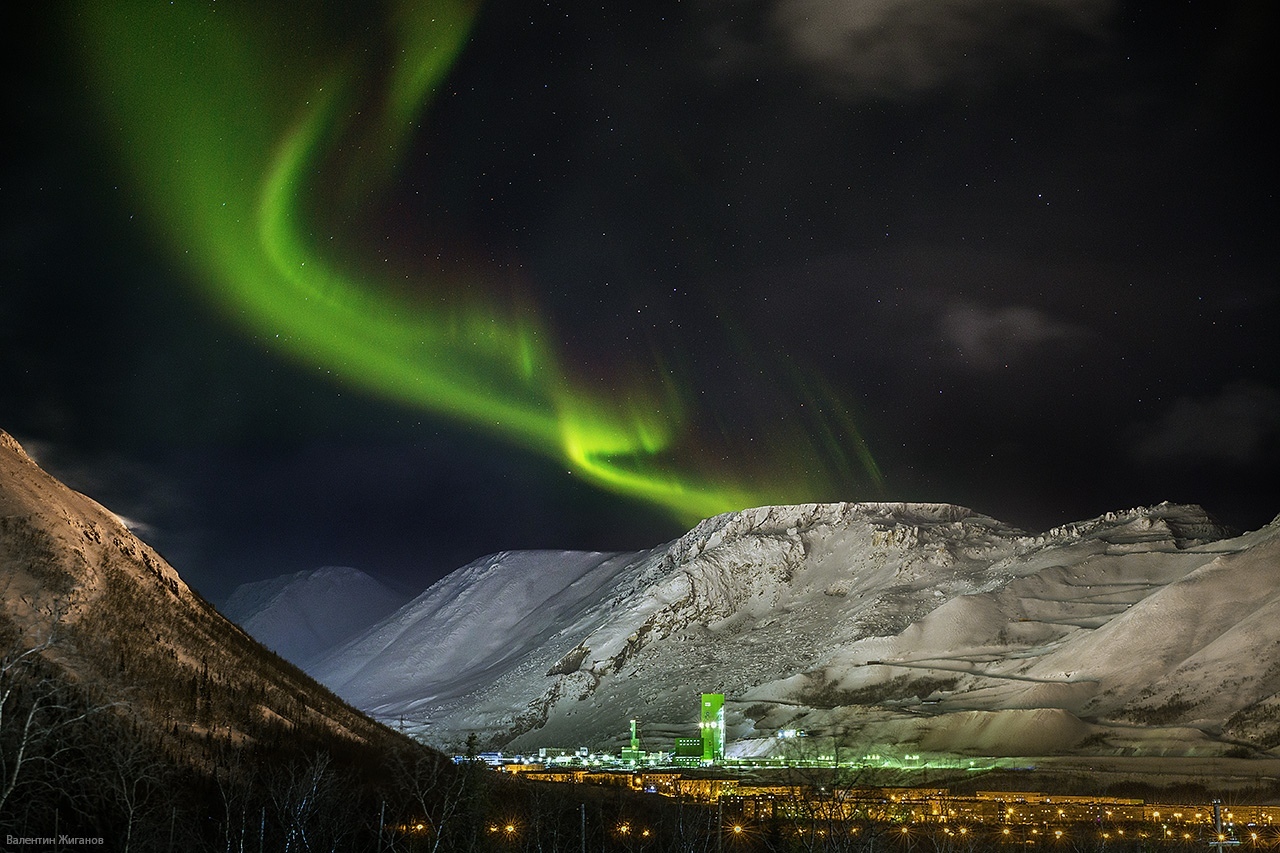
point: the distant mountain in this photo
(298, 616)
(904, 627)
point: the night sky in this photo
(290, 286)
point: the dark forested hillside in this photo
(131, 711)
(118, 620)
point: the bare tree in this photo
(131, 780)
(37, 709)
(311, 804)
(233, 781)
(437, 794)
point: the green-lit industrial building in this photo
(708, 746)
(711, 723)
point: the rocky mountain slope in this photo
(896, 627)
(110, 615)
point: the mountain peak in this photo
(1184, 524)
(9, 443)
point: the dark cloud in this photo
(890, 48)
(1235, 427)
(142, 495)
(993, 337)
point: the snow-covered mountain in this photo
(303, 614)
(909, 627)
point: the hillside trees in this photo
(39, 713)
(441, 801)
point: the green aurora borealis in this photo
(234, 131)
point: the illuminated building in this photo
(711, 723)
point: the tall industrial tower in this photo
(633, 754)
(711, 725)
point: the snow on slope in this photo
(912, 625)
(472, 626)
(301, 615)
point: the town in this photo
(816, 793)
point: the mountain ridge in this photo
(835, 616)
